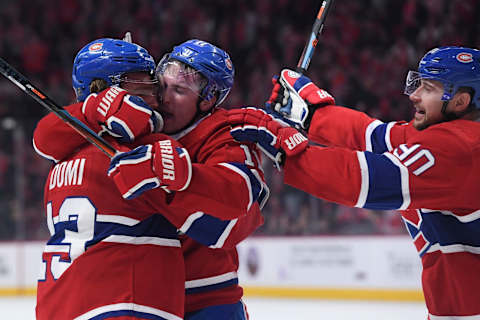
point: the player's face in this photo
(427, 103)
(179, 99)
(141, 84)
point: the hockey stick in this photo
(23, 83)
(127, 37)
(317, 28)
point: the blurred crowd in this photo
(362, 58)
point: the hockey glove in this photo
(272, 135)
(164, 164)
(296, 97)
(121, 115)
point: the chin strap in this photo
(449, 116)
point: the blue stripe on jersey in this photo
(127, 313)
(145, 187)
(256, 185)
(438, 228)
(234, 311)
(384, 183)
(154, 226)
(207, 229)
(212, 287)
(377, 139)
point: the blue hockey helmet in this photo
(108, 59)
(210, 61)
(454, 67)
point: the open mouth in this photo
(166, 115)
(419, 111)
(419, 114)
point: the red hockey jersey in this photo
(211, 273)
(431, 176)
(219, 209)
(106, 255)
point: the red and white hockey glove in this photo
(123, 116)
(296, 98)
(164, 164)
(272, 135)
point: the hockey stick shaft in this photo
(26, 86)
(317, 28)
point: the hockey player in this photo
(427, 168)
(108, 257)
(195, 77)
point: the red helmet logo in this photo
(228, 62)
(465, 57)
(95, 46)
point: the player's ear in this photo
(206, 105)
(461, 101)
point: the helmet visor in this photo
(171, 71)
(127, 79)
(139, 83)
(414, 81)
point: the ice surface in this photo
(22, 308)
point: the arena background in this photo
(362, 59)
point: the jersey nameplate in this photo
(67, 173)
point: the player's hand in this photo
(296, 97)
(121, 115)
(272, 135)
(164, 164)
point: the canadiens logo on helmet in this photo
(95, 46)
(228, 63)
(465, 57)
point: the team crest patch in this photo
(95, 46)
(465, 57)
